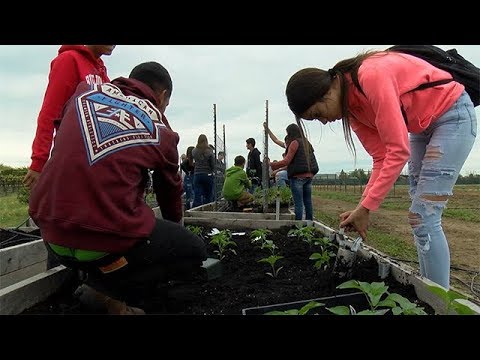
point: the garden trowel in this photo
(346, 254)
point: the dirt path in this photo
(463, 237)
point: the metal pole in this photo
(224, 148)
(215, 153)
(266, 174)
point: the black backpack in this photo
(451, 61)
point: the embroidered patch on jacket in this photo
(111, 121)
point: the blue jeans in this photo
(282, 178)
(437, 156)
(203, 185)
(188, 188)
(302, 197)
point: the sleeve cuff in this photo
(371, 204)
(37, 165)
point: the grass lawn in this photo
(12, 211)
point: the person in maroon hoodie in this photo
(73, 64)
(88, 201)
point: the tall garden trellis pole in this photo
(265, 172)
(219, 145)
(215, 152)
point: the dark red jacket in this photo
(90, 192)
(74, 64)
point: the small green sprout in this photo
(223, 243)
(272, 259)
(302, 311)
(259, 235)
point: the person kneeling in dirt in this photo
(88, 202)
(236, 185)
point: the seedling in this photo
(322, 258)
(222, 241)
(374, 292)
(272, 259)
(285, 195)
(450, 297)
(324, 243)
(306, 233)
(269, 245)
(259, 235)
(197, 230)
(302, 311)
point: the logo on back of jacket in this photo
(111, 121)
(93, 79)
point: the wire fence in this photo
(8, 187)
(336, 182)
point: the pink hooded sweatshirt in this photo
(377, 118)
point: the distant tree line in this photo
(361, 177)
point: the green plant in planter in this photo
(269, 245)
(450, 297)
(374, 292)
(324, 243)
(302, 311)
(285, 195)
(197, 230)
(223, 242)
(306, 233)
(259, 235)
(272, 259)
(258, 197)
(322, 258)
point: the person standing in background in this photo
(254, 165)
(188, 167)
(73, 64)
(204, 172)
(301, 166)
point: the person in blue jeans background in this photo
(188, 168)
(203, 180)
(432, 129)
(301, 167)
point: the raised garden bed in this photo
(244, 283)
(22, 254)
(12, 237)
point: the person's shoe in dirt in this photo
(100, 302)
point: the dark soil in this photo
(245, 284)
(11, 237)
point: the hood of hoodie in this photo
(81, 49)
(233, 170)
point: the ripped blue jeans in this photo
(437, 156)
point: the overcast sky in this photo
(237, 78)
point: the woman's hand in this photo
(357, 219)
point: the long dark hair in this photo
(309, 85)
(295, 132)
(189, 155)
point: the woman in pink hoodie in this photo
(432, 129)
(73, 64)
